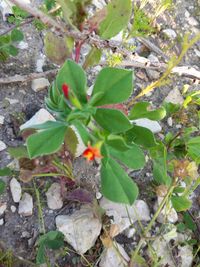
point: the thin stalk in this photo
(40, 214)
(149, 226)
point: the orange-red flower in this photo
(65, 89)
(92, 152)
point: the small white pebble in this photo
(178, 126)
(1, 222)
(13, 208)
(2, 119)
(2, 146)
(169, 121)
(98, 195)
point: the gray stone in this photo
(122, 213)
(54, 199)
(2, 146)
(114, 256)
(174, 97)
(40, 117)
(16, 190)
(171, 34)
(13, 208)
(154, 126)
(2, 119)
(81, 229)
(39, 84)
(26, 205)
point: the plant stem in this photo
(149, 226)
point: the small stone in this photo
(170, 121)
(122, 213)
(153, 59)
(40, 117)
(54, 199)
(186, 253)
(197, 52)
(26, 205)
(81, 229)
(168, 213)
(2, 119)
(14, 165)
(174, 97)
(192, 21)
(13, 208)
(153, 75)
(26, 234)
(12, 101)
(3, 207)
(154, 126)
(22, 45)
(171, 34)
(16, 190)
(114, 256)
(40, 63)
(39, 84)
(130, 232)
(98, 195)
(1, 222)
(2, 146)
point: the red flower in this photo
(65, 89)
(91, 153)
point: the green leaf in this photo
(46, 142)
(118, 15)
(112, 120)
(74, 76)
(193, 148)
(18, 152)
(132, 158)
(71, 141)
(141, 110)
(117, 142)
(141, 136)
(115, 84)
(85, 136)
(181, 203)
(189, 223)
(56, 48)
(12, 50)
(159, 157)
(171, 108)
(2, 186)
(116, 185)
(16, 35)
(53, 240)
(92, 58)
(5, 171)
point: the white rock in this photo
(81, 229)
(54, 199)
(1, 222)
(98, 195)
(122, 213)
(99, 3)
(153, 75)
(22, 45)
(186, 254)
(2, 119)
(153, 58)
(114, 257)
(39, 84)
(171, 34)
(170, 121)
(162, 250)
(2, 146)
(5, 7)
(40, 63)
(14, 165)
(174, 97)
(192, 21)
(13, 208)
(81, 146)
(16, 190)
(3, 207)
(197, 52)
(154, 126)
(168, 213)
(130, 232)
(26, 205)
(12, 101)
(40, 117)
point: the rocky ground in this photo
(20, 222)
